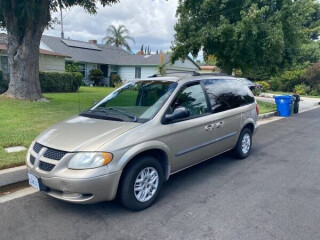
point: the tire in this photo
(133, 175)
(240, 151)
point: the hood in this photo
(83, 134)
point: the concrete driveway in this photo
(273, 194)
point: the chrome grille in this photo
(37, 147)
(54, 154)
(46, 166)
(32, 159)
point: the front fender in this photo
(142, 147)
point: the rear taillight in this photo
(257, 108)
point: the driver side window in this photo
(192, 98)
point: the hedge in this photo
(60, 82)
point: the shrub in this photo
(302, 89)
(287, 80)
(265, 85)
(60, 82)
(72, 67)
(96, 75)
(312, 75)
(115, 80)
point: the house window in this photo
(4, 65)
(138, 72)
(82, 69)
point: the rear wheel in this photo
(141, 183)
(243, 147)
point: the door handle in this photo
(209, 127)
(220, 124)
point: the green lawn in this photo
(22, 121)
(266, 107)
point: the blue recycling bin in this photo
(284, 104)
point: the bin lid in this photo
(283, 97)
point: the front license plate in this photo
(34, 181)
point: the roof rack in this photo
(192, 73)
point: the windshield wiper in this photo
(128, 115)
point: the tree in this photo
(118, 36)
(25, 21)
(263, 36)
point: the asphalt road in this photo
(273, 194)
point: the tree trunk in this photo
(23, 59)
(24, 35)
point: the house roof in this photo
(4, 47)
(100, 55)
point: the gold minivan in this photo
(130, 142)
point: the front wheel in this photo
(141, 183)
(243, 147)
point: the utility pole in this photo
(62, 33)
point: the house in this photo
(55, 53)
(91, 55)
(49, 61)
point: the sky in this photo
(150, 22)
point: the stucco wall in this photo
(48, 63)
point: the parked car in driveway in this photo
(130, 142)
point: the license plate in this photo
(34, 181)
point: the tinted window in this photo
(227, 94)
(193, 98)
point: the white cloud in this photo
(150, 22)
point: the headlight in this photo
(85, 160)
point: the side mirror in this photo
(178, 113)
(95, 102)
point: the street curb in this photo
(266, 115)
(13, 175)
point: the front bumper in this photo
(82, 191)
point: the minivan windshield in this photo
(137, 101)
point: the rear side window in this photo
(226, 94)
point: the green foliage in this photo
(265, 85)
(260, 37)
(256, 92)
(302, 89)
(312, 75)
(118, 36)
(212, 60)
(96, 75)
(72, 67)
(287, 80)
(60, 82)
(115, 80)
